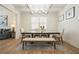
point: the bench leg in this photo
(54, 44)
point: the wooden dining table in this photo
(39, 33)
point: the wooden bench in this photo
(52, 40)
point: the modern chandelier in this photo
(39, 9)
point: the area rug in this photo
(39, 46)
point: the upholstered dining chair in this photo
(59, 37)
(44, 35)
(36, 35)
(22, 36)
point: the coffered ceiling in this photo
(39, 8)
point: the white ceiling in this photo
(48, 7)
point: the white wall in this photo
(26, 21)
(11, 15)
(52, 21)
(71, 26)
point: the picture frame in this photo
(61, 18)
(70, 13)
(3, 20)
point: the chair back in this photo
(62, 32)
(21, 30)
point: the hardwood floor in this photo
(9, 46)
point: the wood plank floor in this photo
(9, 46)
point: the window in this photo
(39, 21)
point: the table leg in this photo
(23, 46)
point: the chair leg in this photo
(61, 40)
(48, 42)
(32, 42)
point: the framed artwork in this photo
(61, 18)
(3, 20)
(70, 13)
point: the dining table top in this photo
(40, 32)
